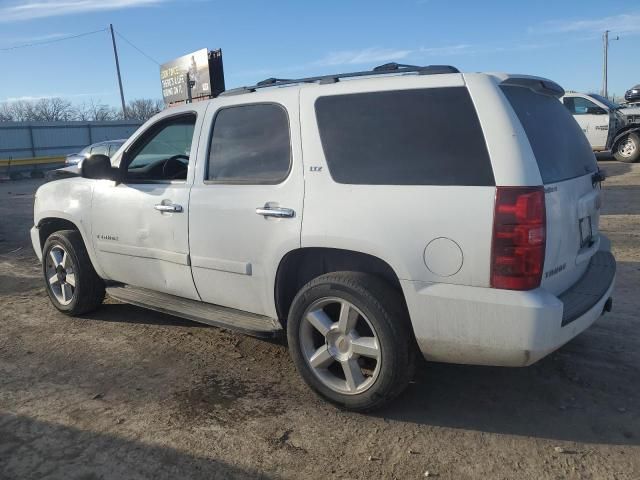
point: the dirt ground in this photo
(130, 393)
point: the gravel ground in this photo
(129, 393)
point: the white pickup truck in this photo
(607, 125)
(413, 210)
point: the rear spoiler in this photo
(537, 84)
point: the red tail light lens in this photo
(519, 234)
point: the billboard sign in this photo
(173, 76)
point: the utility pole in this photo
(115, 54)
(605, 63)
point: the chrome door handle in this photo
(168, 208)
(277, 212)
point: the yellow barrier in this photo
(19, 162)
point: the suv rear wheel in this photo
(73, 285)
(350, 340)
(628, 149)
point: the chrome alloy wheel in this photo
(61, 274)
(340, 345)
(627, 147)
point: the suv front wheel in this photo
(350, 340)
(73, 285)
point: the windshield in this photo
(606, 101)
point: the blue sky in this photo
(557, 39)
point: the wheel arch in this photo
(300, 266)
(49, 224)
(624, 131)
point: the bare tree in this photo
(103, 113)
(53, 109)
(95, 111)
(6, 115)
(82, 112)
(19, 111)
(143, 108)
(59, 109)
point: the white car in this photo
(413, 210)
(608, 126)
(74, 160)
(108, 148)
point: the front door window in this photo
(163, 153)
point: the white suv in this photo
(416, 209)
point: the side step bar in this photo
(229, 318)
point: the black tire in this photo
(89, 289)
(635, 156)
(384, 308)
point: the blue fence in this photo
(20, 140)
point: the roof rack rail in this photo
(271, 81)
(387, 68)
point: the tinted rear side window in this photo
(561, 149)
(250, 144)
(404, 137)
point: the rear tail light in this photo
(519, 234)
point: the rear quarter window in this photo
(558, 143)
(404, 137)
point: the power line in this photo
(55, 40)
(139, 50)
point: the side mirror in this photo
(596, 111)
(98, 167)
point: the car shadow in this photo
(604, 157)
(127, 313)
(620, 200)
(35, 449)
(132, 314)
(526, 402)
(614, 168)
(587, 391)
(583, 393)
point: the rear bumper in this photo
(589, 290)
(484, 326)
